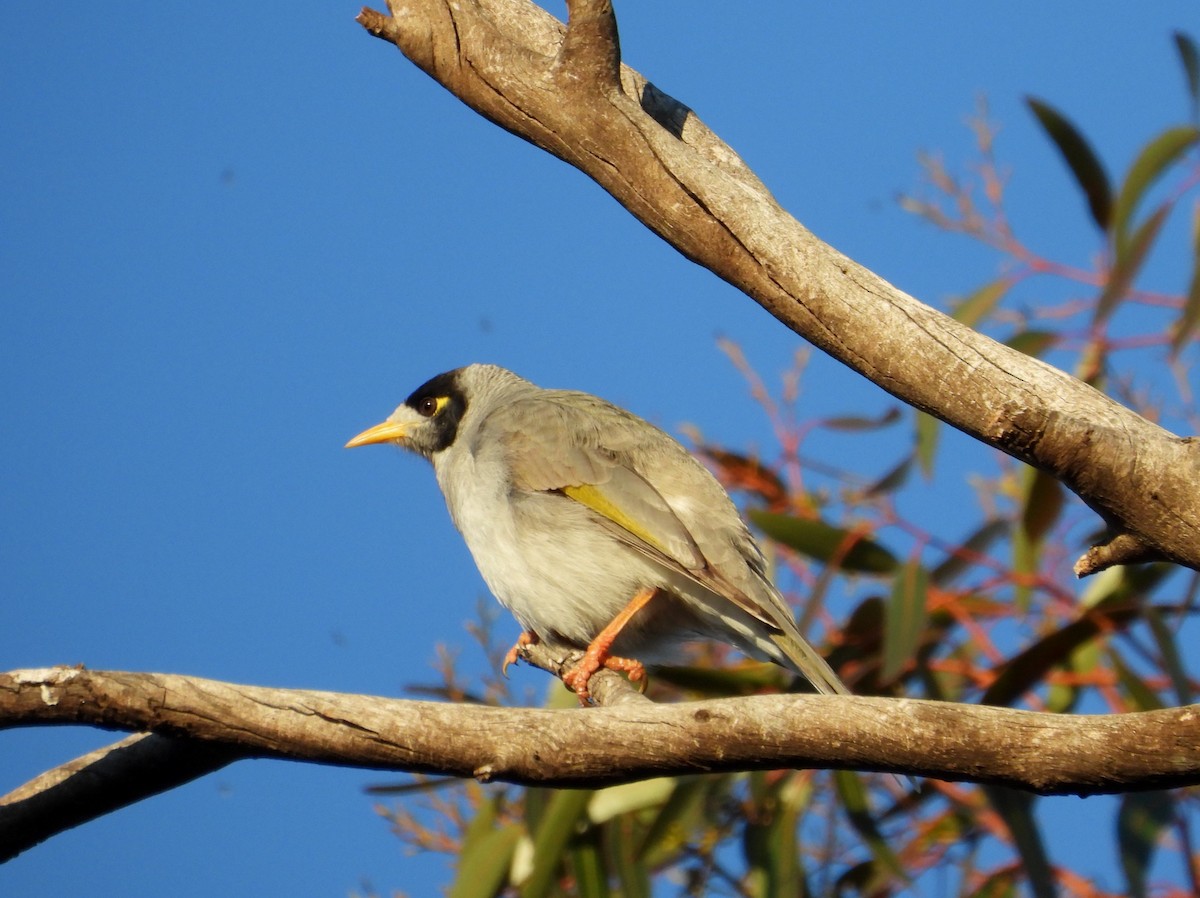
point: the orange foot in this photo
(527, 637)
(577, 677)
(597, 654)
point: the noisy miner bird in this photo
(593, 527)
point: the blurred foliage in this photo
(990, 615)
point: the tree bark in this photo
(565, 90)
(203, 724)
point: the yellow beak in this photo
(387, 432)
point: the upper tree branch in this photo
(515, 64)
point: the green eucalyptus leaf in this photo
(1140, 822)
(626, 798)
(890, 481)
(962, 557)
(749, 678)
(1026, 553)
(928, 432)
(683, 811)
(1189, 318)
(483, 823)
(1016, 810)
(1044, 502)
(1128, 262)
(853, 796)
(1032, 343)
(555, 829)
(1025, 670)
(1137, 690)
(862, 423)
(1168, 650)
(1148, 167)
(483, 866)
(625, 839)
(905, 618)
(587, 866)
(1080, 158)
(982, 302)
(1190, 59)
(417, 786)
(824, 542)
(769, 839)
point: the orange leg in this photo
(527, 637)
(597, 654)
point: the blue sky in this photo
(233, 237)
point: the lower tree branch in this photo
(101, 782)
(1046, 753)
(144, 764)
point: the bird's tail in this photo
(804, 660)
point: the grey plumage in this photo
(570, 505)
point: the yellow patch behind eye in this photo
(441, 403)
(593, 498)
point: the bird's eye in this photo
(428, 407)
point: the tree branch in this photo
(201, 725)
(101, 782)
(506, 60)
(1046, 753)
(144, 764)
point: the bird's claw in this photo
(513, 655)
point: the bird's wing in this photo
(586, 453)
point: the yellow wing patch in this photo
(593, 498)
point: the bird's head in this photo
(436, 413)
(427, 422)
